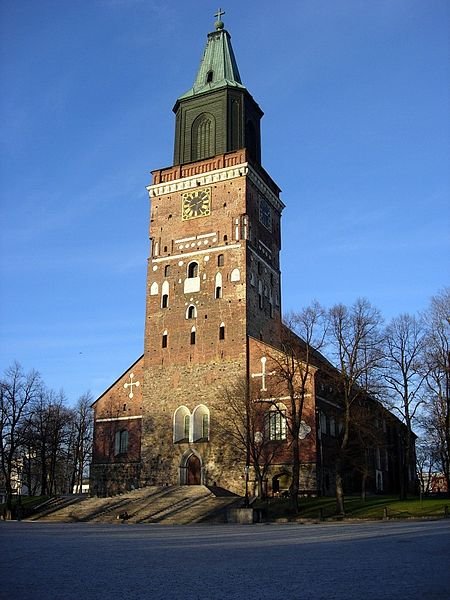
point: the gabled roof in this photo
(218, 67)
(118, 379)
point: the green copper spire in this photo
(218, 67)
(217, 115)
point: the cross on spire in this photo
(130, 385)
(263, 374)
(219, 14)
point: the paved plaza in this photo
(342, 561)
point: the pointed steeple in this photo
(218, 67)
(217, 115)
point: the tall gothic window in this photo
(181, 424)
(218, 286)
(203, 136)
(251, 140)
(121, 442)
(165, 294)
(276, 423)
(186, 426)
(200, 424)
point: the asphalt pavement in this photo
(330, 561)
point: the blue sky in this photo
(356, 133)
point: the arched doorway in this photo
(193, 470)
(280, 484)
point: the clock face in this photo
(196, 203)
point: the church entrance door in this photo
(193, 469)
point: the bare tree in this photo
(426, 461)
(242, 425)
(17, 394)
(294, 370)
(355, 342)
(366, 440)
(48, 436)
(405, 377)
(80, 446)
(437, 366)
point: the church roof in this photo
(218, 67)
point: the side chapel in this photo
(213, 312)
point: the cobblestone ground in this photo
(357, 561)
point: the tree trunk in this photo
(295, 484)
(363, 486)
(340, 509)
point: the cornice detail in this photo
(265, 189)
(227, 173)
(187, 183)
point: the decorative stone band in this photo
(195, 253)
(194, 181)
(118, 419)
(224, 174)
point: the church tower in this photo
(214, 270)
(214, 225)
(213, 324)
(213, 307)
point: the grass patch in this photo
(373, 507)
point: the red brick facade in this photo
(213, 312)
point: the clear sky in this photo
(356, 134)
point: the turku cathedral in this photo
(213, 313)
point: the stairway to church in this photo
(166, 505)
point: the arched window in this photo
(193, 336)
(164, 339)
(200, 424)
(276, 423)
(251, 140)
(165, 294)
(236, 130)
(191, 312)
(220, 260)
(218, 286)
(154, 289)
(236, 275)
(222, 331)
(181, 424)
(166, 270)
(121, 442)
(186, 426)
(192, 270)
(209, 76)
(203, 137)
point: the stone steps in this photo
(166, 505)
